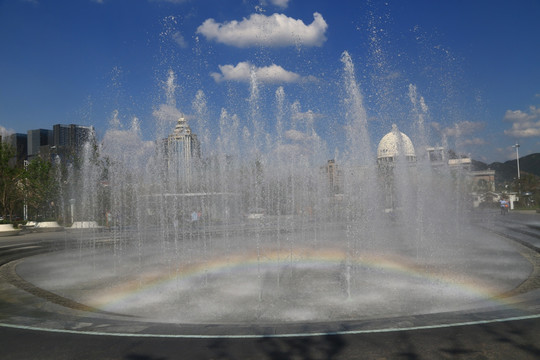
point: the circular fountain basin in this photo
(241, 281)
(8, 230)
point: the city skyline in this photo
(471, 68)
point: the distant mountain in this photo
(507, 171)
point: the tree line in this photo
(31, 184)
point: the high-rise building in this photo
(36, 139)
(67, 141)
(182, 144)
(182, 147)
(71, 136)
(19, 143)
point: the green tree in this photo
(10, 181)
(41, 189)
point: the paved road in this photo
(507, 340)
(517, 337)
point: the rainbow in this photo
(151, 281)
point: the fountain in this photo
(246, 225)
(354, 238)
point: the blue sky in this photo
(474, 65)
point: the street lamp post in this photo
(25, 206)
(517, 160)
(72, 208)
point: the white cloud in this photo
(524, 124)
(167, 112)
(435, 125)
(473, 141)
(463, 128)
(274, 30)
(520, 116)
(519, 132)
(297, 144)
(281, 3)
(127, 146)
(243, 71)
(5, 132)
(296, 135)
(179, 39)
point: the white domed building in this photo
(394, 146)
(396, 160)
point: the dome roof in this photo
(394, 143)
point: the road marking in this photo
(258, 336)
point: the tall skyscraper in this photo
(36, 139)
(71, 136)
(20, 144)
(68, 141)
(182, 147)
